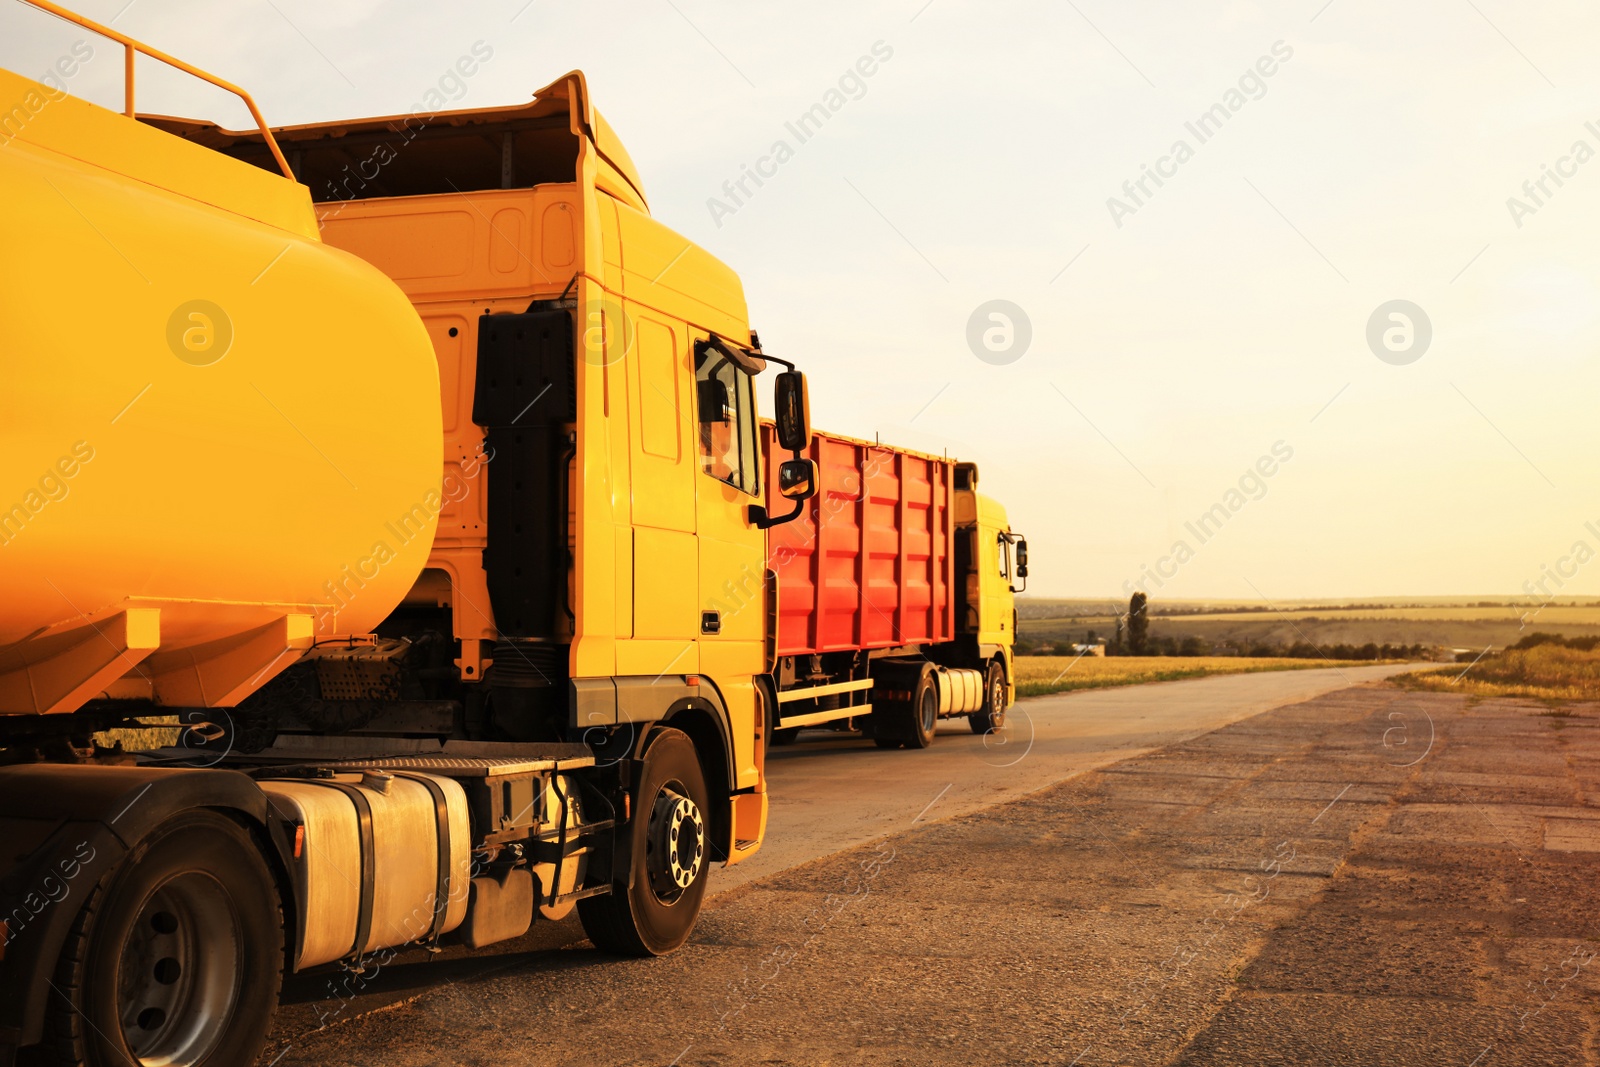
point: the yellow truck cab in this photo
(992, 560)
(601, 467)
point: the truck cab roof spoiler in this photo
(424, 151)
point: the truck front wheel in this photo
(177, 955)
(670, 840)
(992, 717)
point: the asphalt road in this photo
(1369, 877)
(832, 792)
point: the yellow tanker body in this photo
(220, 439)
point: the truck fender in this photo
(706, 722)
(65, 826)
(1003, 653)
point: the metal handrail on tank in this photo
(132, 47)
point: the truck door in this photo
(996, 585)
(732, 552)
(661, 480)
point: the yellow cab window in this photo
(726, 414)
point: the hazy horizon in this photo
(1515, 599)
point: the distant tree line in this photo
(1049, 609)
(1133, 639)
(1534, 640)
(1199, 646)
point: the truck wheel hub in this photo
(677, 843)
(997, 704)
(180, 972)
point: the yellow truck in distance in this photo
(894, 597)
(417, 499)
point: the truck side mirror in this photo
(792, 414)
(797, 479)
(1022, 559)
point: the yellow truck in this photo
(894, 597)
(407, 462)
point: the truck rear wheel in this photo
(670, 839)
(177, 955)
(909, 723)
(992, 717)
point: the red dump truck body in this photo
(870, 563)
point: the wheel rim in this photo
(180, 972)
(930, 710)
(677, 844)
(997, 703)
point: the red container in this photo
(870, 562)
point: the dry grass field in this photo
(1546, 672)
(136, 739)
(1037, 675)
(1059, 608)
(1462, 625)
(1551, 615)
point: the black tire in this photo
(922, 715)
(657, 915)
(992, 717)
(184, 940)
(778, 737)
(908, 724)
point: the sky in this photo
(1225, 343)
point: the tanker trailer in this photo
(209, 417)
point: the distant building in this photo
(1096, 649)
